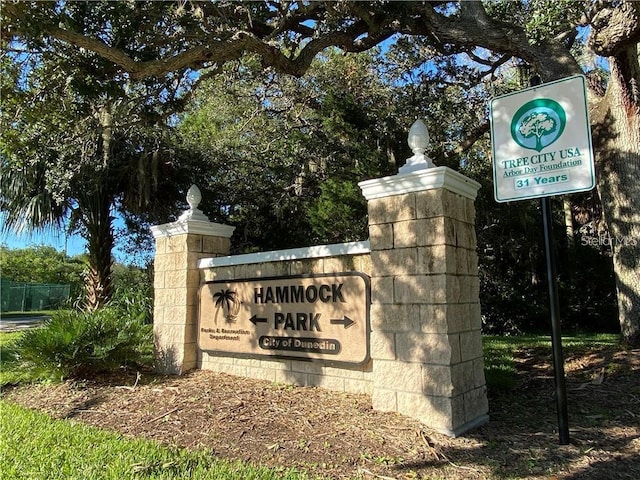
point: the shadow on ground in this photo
(336, 435)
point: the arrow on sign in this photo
(255, 320)
(346, 322)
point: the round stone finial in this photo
(418, 142)
(418, 137)
(194, 213)
(194, 197)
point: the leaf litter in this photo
(339, 436)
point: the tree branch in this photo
(372, 24)
(615, 29)
(474, 28)
(471, 138)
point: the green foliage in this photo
(280, 149)
(42, 264)
(512, 269)
(36, 447)
(74, 344)
(132, 278)
(540, 19)
(339, 213)
(107, 144)
(133, 290)
(136, 302)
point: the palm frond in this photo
(27, 206)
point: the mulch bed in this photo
(336, 435)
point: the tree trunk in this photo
(568, 221)
(567, 208)
(616, 131)
(616, 125)
(98, 222)
(96, 207)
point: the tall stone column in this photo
(426, 344)
(179, 246)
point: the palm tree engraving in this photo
(229, 303)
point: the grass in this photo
(499, 364)
(499, 352)
(36, 447)
(7, 338)
(8, 371)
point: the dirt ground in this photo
(335, 435)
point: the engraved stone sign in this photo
(318, 317)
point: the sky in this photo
(72, 245)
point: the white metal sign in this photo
(541, 141)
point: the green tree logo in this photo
(538, 123)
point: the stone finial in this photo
(418, 142)
(194, 197)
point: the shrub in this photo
(133, 287)
(134, 303)
(75, 344)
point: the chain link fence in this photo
(27, 297)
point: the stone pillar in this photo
(179, 246)
(426, 344)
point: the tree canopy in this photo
(443, 42)
(285, 154)
(41, 264)
(79, 144)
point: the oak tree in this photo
(179, 36)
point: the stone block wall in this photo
(424, 341)
(179, 246)
(426, 344)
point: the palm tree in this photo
(227, 298)
(81, 152)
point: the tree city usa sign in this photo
(318, 317)
(541, 141)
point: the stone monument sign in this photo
(319, 317)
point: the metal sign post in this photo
(541, 143)
(554, 310)
(556, 336)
